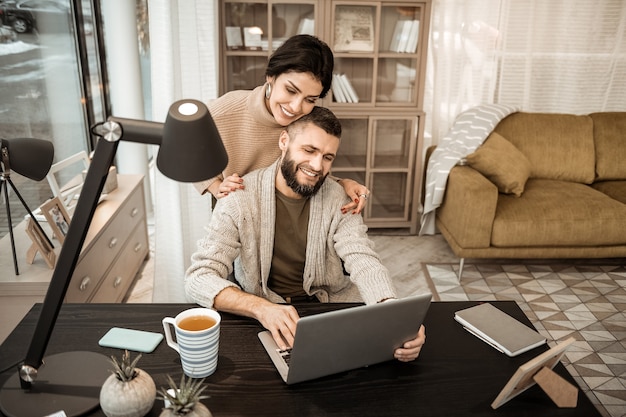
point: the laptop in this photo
(342, 340)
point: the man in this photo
(289, 240)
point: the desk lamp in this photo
(190, 150)
(31, 158)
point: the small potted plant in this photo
(184, 399)
(128, 391)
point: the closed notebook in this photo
(498, 329)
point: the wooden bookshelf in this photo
(380, 53)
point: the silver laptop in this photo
(342, 340)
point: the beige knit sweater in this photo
(242, 230)
(249, 132)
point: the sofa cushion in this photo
(558, 213)
(502, 163)
(614, 189)
(609, 132)
(558, 146)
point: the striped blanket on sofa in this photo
(468, 132)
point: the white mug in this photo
(197, 333)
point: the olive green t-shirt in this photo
(290, 237)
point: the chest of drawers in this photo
(115, 248)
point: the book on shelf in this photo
(252, 37)
(338, 90)
(354, 29)
(233, 37)
(395, 38)
(413, 37)
(343, 91)
(354, 98)
(405, 36)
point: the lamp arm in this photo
(79, 225)
(133, 130)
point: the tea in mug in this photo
(196, 323)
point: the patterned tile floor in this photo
(587, 302)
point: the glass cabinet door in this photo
(352, 40)
(393, 143)
(389, 194)
(399, 58)
(379, 151)
(352, 80)
(391, 165)
(351, 160)
(400, 29)
(252, 31)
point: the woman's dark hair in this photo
(303, 53)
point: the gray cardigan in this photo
(241, 231)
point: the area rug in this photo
(587, 302)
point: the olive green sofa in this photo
(541, 186)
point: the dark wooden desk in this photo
(456, 374)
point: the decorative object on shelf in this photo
(31, 158)
(233, 37)
(184, 399)
(252, 38)
(306, 26)
(190, 150)
(66, 172)
(129, 391)
(40, 244)
(354, 29)
(57, 217)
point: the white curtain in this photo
(557, 56)
(184, 64)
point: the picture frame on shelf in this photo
(252, 38)
(234, 40)
(354, 29)
(69, 173)
(57, 217)
(39, 244)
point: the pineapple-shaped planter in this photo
(184, 400)
(128, 391)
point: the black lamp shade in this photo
(191, 149)
(29, 157)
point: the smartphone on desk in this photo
(130, 339)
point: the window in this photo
(47, 90)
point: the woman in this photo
(298, 73)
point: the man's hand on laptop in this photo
(279, 319)
(411, 349)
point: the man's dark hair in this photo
(303, 53)
(320, 117)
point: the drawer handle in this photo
(113, 242)
(138, 247)
(84, 284)
(134, 212)
(118, 281)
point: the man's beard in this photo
(290, 170)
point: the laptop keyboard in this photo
(285, 354)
